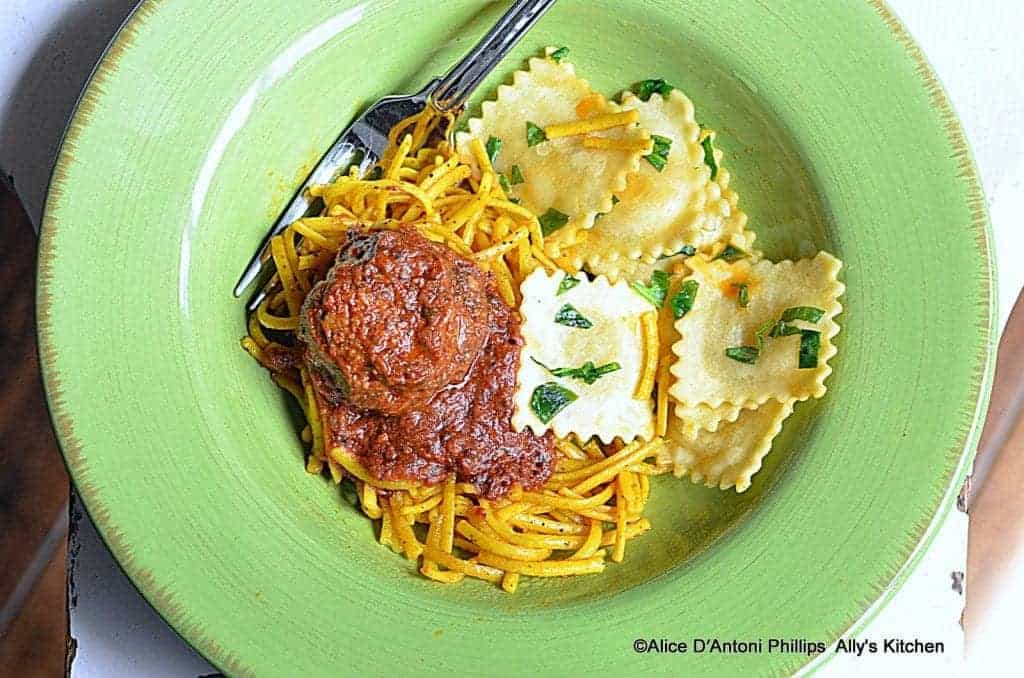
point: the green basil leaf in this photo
(493, 147)
(552, 220)
(657, 161)
(587, 372)
(568, 282)
(607, 368)
(659, 151)
(810, 345)
(807, 313)
(709, 156)
(731, 254)
(742, 294)
(656, 291)
(570, 317)
(645, 88)
(559, 54)
(504, 183)
(765, 330)
(516, 175)
(534, 134)
(743, 354)
(549, 399)
(782, 329)
(683, 300)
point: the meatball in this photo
(397, 319)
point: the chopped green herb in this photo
(516, 175)
(750, 354)
(764, 330)
(682, 302)
(685, 250)
(549, 399)
(656, 291)
(376, 173)
(810, 340)
(659, 151)
(534, 134)
(742, 294)
(570, 317)
(587, 373)
(615, 200)
(493, 147)
(645, 88)
(504, 183)
(514, 200)
(552, 220)
(781, 329)
(731, 254)
(744, 354)
(807, 313)
(568, 282)
(709, 156)
(559, 54)
(810, 344)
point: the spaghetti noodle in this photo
(591, 506)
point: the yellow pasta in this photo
(662, 210)
(502, 247)
(496, 545)
(658, 404)
(510, 582)
(549, 568)
(705, 374)
(368, 501)
(559, 173)
(402, 527)
(592, 542)
(593, 124)
(649, 368)
(467, 567)
(619, 548)
(607, 144)
(696, 418)
(730, 456)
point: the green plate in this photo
(196, 128)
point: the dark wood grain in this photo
(33, 482)
(35, 643)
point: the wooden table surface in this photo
(33, 482)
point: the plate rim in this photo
(142, 580)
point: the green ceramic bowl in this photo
(196, 128)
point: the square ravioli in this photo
(729, 456)
(666, 208)
(750, 336)
(582, 358)
(559, 176)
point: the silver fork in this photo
(366, 139)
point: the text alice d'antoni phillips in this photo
(854, 646)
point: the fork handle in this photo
(464, 77)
